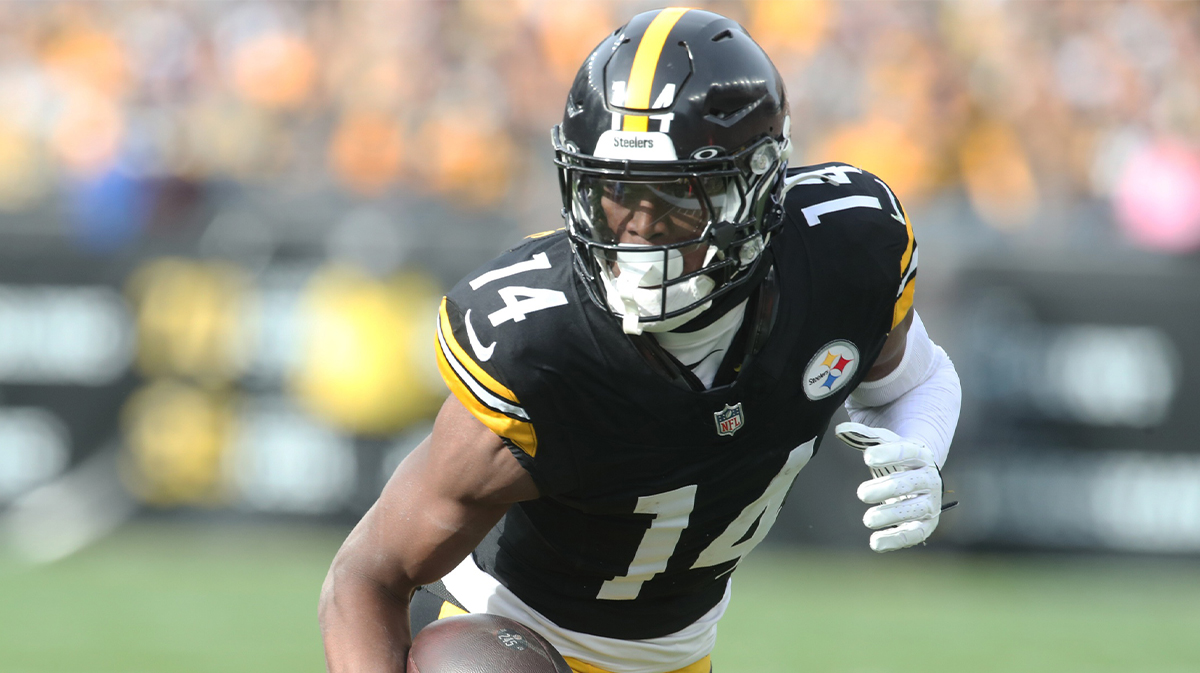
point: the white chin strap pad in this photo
(637, 291)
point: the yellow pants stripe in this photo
(449, 610)
(702, 666)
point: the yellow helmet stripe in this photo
(645, 63)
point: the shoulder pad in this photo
(846, 207)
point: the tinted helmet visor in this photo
(665, 212)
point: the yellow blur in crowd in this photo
(362, 366)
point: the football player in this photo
(633, 395)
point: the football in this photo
(482, 643)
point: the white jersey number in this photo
(672, 511)
(838, 175)
(520, 301)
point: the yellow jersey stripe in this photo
(465, 360)
(485, 396)
(904, 303)
(645, 63)
(702, 666)
(517, 431)
(905, 300)
(491, 403)
(908, 251)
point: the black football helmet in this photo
(678, 123)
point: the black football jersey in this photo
(651, 491)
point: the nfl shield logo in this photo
(729, 419)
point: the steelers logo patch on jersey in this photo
(830, 368)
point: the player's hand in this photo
(906, 489)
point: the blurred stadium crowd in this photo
(1024, 107)
(223, 225)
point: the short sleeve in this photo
(478, 389)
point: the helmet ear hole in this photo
(763, 157)
(750, 250)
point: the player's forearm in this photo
(919, 400)
(364, 624)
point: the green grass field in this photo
(158, 599)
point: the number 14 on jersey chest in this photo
(674, 512)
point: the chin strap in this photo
(628, 294)
(728, 301)
(630, 321)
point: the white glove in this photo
(907, 483)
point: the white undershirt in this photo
(478, 591)
(707, 346)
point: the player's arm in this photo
(893, 350)
(441, 501)
(912, 389)
(903, 417)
